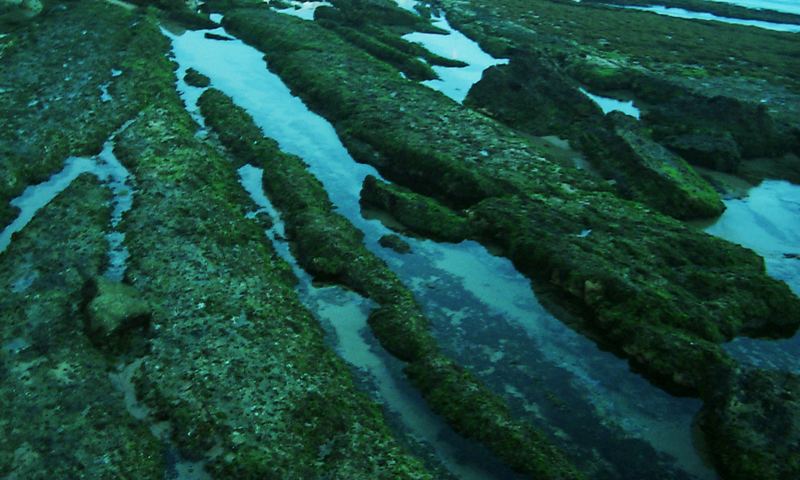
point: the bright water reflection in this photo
(454, 82)
(681, 13)
(787, 6)
(607, 104)
(767, 221)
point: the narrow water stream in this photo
(484, 312)
(607, 104)
(344, 314)
(692, 15)
(767, 221)
(107, 168)
(454, 82)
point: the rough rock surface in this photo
(114, 311)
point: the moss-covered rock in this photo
(114, 310)
(329, 247)
(420, 214)
(752, 425)
(394, 242)
(196, 79)
(646, 171)
(231, 321)
(61, 413)
(664, 279)
(706, 149)
(52, 84)
(533, 94)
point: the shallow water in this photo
(304, 10)
(454, 82)
(107, 168)
(767, 221)
(788, 6)
(344, 314)
(681, 13)
(611, 104)
(463, 288)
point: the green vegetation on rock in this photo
(61, 415)
(328, 246)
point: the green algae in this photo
(276, 361)
(62, 418)
(418, 213)
(328, 246)
(662, 295)
(51, 89)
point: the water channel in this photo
(484, 312)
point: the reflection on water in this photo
(612, 104)
(787, 6)
(454, 82)
(691, 15)
(768, 222)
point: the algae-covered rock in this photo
(654, 286)
(231, 321)
(533, 94)
(648, 172)
(395, 242)
(329, 246)
(418, 213)
(61, 416)
(115, 310)
(752, 424)
(706, 149)
(196, 79)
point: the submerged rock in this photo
(395, 243)
(196, 79)
(115, 310)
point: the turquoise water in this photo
(691, 15)
(767, 221)
(788, 6)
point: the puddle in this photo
(107, 168)
(344, 315)
(681, 13)
(469, 293)
(767, 221)
(786, 6)
(611, 104)
(454, 82)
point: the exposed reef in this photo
(62, 417)
(662, 294)
(200, 348)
